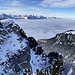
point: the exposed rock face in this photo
(63, 43)
(19, 52)
(14, 49)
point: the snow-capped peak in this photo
(7, 21)
(70, 32)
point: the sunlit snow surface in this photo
(46, 28)
(10, 45)
(37, 61)
(70, 72)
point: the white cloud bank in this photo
(58, 3)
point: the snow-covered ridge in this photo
(66, 36)
(70, 32)
(13, 43)
(9, 39)
(7, 21)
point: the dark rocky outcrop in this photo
(32, 42)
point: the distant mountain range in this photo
(6, 16)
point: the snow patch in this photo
(70, 32)
(66, 57)
(37, 61)
(11, 45)
(70, 71)
(73, 62)
(7, 21)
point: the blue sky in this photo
(58, 8)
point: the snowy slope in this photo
(10, 42)
(38, 61)
(13, 47)
(70, 72)
(13, 43)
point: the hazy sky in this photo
(58, 8)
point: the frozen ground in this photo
(43, 29)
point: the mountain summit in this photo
(14, 50)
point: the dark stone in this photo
(39, 50)
(1, 26)
(3, 32)
(32, 42)
(22, 33)
(16, 68)
(9, 30)
(14, 29)
(53, 55)
(10, 26)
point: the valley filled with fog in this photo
(45, 28)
